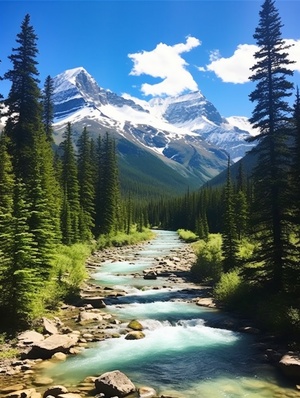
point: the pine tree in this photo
(36, 209)
(271, 116)
(229, 242)
(293, 274)
(48, 112)
(23, 101)
(70, 187)
(7, 182)
(86, 182)
(241, 204)
(24, 283)
(108, 192)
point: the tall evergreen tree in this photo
(108, 191)
(23, 101)
(86, 181)
(31, 152)
(229, 242)
(48, 112)
(294, 274)
(271, 116)
(6, 220)
(241, 204)
(70, 187)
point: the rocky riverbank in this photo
(76, 326)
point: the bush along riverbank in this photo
(76, 326)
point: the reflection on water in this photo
(180, 355)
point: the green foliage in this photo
(208, 267)
(229, 234)
(70, 188)
(9, 353)
(270, 211)
(86, 177)
(230, 289)
(123, 239)
(187, 236)
(68, 274)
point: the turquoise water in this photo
(180, 354)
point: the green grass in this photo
(123, 239)
(187, 236)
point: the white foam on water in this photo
(157, 309)
(161, 339)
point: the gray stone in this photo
(147, 392)
(114, 383)
(86, 317)
(30, 337)
(55, 343)
(96, 302)
(49, 326)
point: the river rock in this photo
(134, 335)
(49, 326)
(206, 302)
(96, 302)
(147, 392)
(114, 383)
(86, 317)
(150, 275)
(290, 366)
(55, 343)
(30, 337)
(135, 325)
(55, 391)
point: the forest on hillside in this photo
(56, 203)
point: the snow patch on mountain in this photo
(155, 123)
(242, 123)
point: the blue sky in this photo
(151, 48)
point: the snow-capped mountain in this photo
(186, 133)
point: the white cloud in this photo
(236, 69)
(165, 62)
(294, 53)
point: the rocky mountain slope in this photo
(173, 142)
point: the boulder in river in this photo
(55, 343)
(96, 302)
(135, 325)
(150, 275)
(134, 335)
(147, 392)
(114, 384)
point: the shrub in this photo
(123, 239)
(208, 267)
(229, 289)
(187, 236)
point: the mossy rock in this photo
(135, 325)
(134, 335)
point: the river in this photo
(181, 356)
